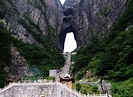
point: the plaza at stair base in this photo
(37, 90)
(41, 89)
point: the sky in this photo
(70, 43)
(62, 1)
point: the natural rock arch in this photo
(64, 33)
(67, 27)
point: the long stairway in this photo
(65, 69)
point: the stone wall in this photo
(37, 89)
(41, 89)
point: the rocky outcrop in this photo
(92, 18)
(18, 66)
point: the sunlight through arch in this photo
(70, 43)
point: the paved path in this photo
(65, 69)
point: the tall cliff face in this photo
(92, 18)
(29, 20)
(36, 22)
(32, 20)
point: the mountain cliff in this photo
(37, 30)
(91, 18)
(33, 27)
(30, 20)
(109, 58)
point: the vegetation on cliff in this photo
(5, 55)
(86, 88)
(110, 58)
(44, 58)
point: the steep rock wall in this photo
(94, 17)
(35, 22)
(19, 65)
(32, 19)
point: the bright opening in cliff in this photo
(62, 1)
(72, 39)
(70, 43)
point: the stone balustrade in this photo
(37, 89)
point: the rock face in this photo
(46, 22)
(90, 18)
(71, 3)
(19, 65)
(32, 19)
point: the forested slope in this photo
(110, 58)
(44, 58)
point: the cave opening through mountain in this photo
(69, 35)
(68, 39)
(70, 43)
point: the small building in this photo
(67, 80)
(53, 73)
